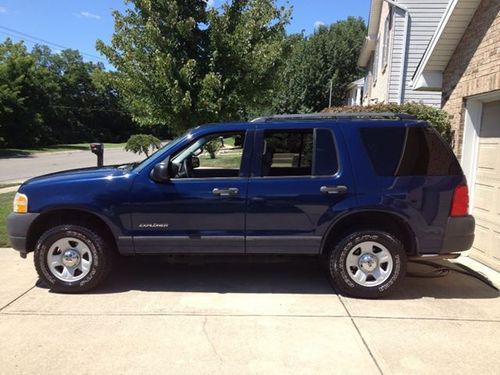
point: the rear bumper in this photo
(459, 234)
(17, 229)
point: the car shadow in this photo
(297, 275)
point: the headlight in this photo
(20, 203)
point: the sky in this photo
(78, 23)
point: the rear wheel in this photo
(72, 258)
(367, 264)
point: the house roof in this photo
(358, 83)
(449, 32)
(371, 38)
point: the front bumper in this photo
(17, 229)
(459, 234)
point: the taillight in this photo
(460, 201)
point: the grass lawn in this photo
(5, 208)
(13, 152)
(9, 185)
(229, 160)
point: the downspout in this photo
(403, 52)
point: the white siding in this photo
(424, 19)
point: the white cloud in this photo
(3, 10)
(210, 4)
(318, 24)
(90, 15)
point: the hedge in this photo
(434, 116)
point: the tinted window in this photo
(384, 146)
(409, 152)
(287, 153)
(325, 161)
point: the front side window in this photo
(214, 155)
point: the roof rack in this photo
(335, 116)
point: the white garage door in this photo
(486, 207)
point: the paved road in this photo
(282, 318)
(22, 168)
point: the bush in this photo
(434, 116)
(142, 143)
(212, 147)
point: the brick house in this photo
(462, 62)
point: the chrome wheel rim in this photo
(369, 263)
(69, 259)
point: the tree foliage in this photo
(329, 55)
(48, 98)
(142, 143)
(181, 64)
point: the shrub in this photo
(142, 143)
(212, 147)
(434, 116)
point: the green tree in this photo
(329, 55)
(180, 64)
(48, 98)
(25, 93)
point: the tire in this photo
(378, 255)
(83, 252)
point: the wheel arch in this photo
(61, 216)
(372, 219)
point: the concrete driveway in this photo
(278, 318)
(23, 167)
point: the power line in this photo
(35, 39)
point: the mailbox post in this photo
(98, 149)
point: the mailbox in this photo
(98, 150)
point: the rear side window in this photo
(325, 161)
(409, 152)
(299, 153)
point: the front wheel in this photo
(72, 258)
(367, 264)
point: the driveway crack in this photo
(360, 335)
(212, 345)
(17, 298)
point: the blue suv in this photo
(361, 191)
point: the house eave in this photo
(429, 81)
(451, 28)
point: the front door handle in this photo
(225, 192)
(340, 189)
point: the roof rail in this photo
(335, 116)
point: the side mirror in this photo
(195, 161)
(160, 172)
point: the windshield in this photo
(167, 147)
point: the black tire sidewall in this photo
(338, 270)
(95, 245)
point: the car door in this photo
(299, 184)
(202, 211)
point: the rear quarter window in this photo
(412, 151)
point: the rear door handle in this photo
(341, 189)
(225, 192)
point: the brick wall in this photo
(474, 67)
